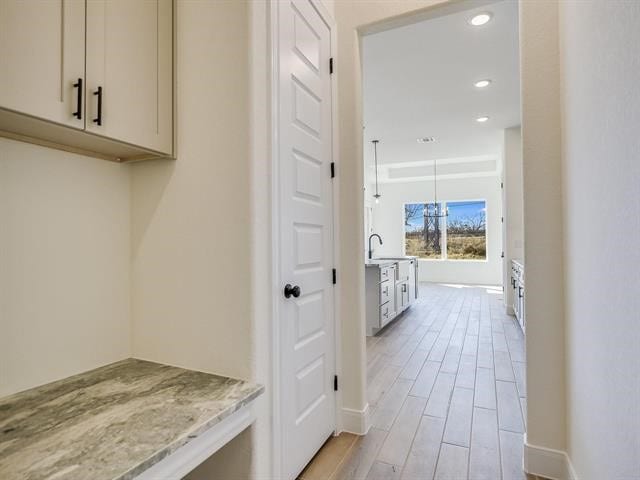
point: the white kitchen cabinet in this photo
(380, 296)
(413, 280)
(42, 51)
(517, 284)
(92, 77)
(390, 288)
(129, 63)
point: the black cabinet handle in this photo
(98, 119)
(291, 290)
(520, 292)
(78, 113)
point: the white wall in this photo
(512, 206)
(389, 223)
(543, 251)
(64, 264)
(191, 219)
(601, 184)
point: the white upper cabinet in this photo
(42, 58)
(129, 64)
(103, 67)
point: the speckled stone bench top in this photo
(112, 423)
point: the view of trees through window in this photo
(459, 235)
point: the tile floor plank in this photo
(452, 464)
(398, 443)
(466, 377)
(516, 350)
(383, 471)
(485, 396)
(401, 358)
(470, 346)
(485, 353)
(484, 457)
(451, 359)
(511, 455)
(414, 365)
(504, 369)
(519, 374)
(439, 348)
(458, 428)
(390, 405)
(438, 404)
(382, 383)
(426, 378)
(509, 410)
(423, 457)
(499, 341)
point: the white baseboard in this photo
(547, 462)
(356, 421)
(509, 310)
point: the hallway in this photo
(447, 394)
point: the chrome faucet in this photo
(370, 237)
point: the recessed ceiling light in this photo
(426, 140)
(480, 19)
(482, 119)
(482, 83)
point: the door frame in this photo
(276, 280)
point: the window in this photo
(467, 231)
(420, 241)
(461, 235)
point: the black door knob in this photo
(291, 290)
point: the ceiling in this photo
(418, 81)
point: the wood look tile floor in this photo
(446, 391)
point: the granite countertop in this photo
(382, 262)
(379, 262)
(112, 423)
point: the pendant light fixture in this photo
(437, 213)
(375, 159)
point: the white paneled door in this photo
(307, 341)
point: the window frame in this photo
(444, 257)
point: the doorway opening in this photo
(443, 249)
(443, 207)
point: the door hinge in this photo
(335, 383)
(331, 65)
(333, 169)
(335, 276)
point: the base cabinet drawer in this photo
(386, 314)
(386, 291)
(387, 273)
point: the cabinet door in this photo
(412, 281)
(42, 57)
(400, 298)
(130, 59)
